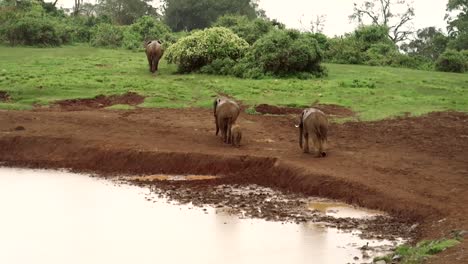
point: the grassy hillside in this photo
(41, 76)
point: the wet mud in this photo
(254, 201)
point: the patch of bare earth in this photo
(4, 96)
(100, 101)
(329, 109)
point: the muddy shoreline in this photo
(412, 168)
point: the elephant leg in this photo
(306, 147)
(217, 126)
(156, 64)
(315, 144)
(224, 130)
(150, 64)
(229, 126)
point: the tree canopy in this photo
(196, 14)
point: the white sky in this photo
(427, 13)
(290, 12)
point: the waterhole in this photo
(58, 217)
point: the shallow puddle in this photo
(342, 210)
(58, 217)
(163, 177)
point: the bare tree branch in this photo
(380, 13)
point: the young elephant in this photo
(226, 112)
(154, 53)
(236, 135)
(313, 123)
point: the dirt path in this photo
(414, 168)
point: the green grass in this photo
(419, 253)
(43, 75)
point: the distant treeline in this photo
(230, 37)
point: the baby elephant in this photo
(226, 112)
(236, 135)
(313, 123)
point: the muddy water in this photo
(58, 217)
(342, 210)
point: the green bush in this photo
(380, 54)
(287, 52)
(144, 29)
(149, 28)
(201, 48)
(452, 61)
(248, 29)
(345, 50)
(412, 62)
(107, 35)
(31, 30)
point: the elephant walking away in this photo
(314, 124)
(226, 112)
(154, 53)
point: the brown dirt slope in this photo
(415, 168)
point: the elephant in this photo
(236, 135)
(226, 112)
(313, 123)
(154, 52)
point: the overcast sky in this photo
(291, 12)
(427, 13)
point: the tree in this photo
(381, 12)
(196, 14)
(77, 7)
(125, 12)
(430, 42)
(458, 24)
(315, 26)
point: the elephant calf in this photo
(313, 123)
(154, 53)
(226, 112)
(236, 135)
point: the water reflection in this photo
(58, 217)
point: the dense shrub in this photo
(412, 61)
(344, 50)
(30, 30)
(287, 52)
(366, 45)
(380, 54)
(203, 47)
(107, 35)
(249, 29)
(144, 29)
(452, 61)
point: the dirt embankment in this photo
(100, 101)
(413, 168)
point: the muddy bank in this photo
(39, 152)
(414, 168)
